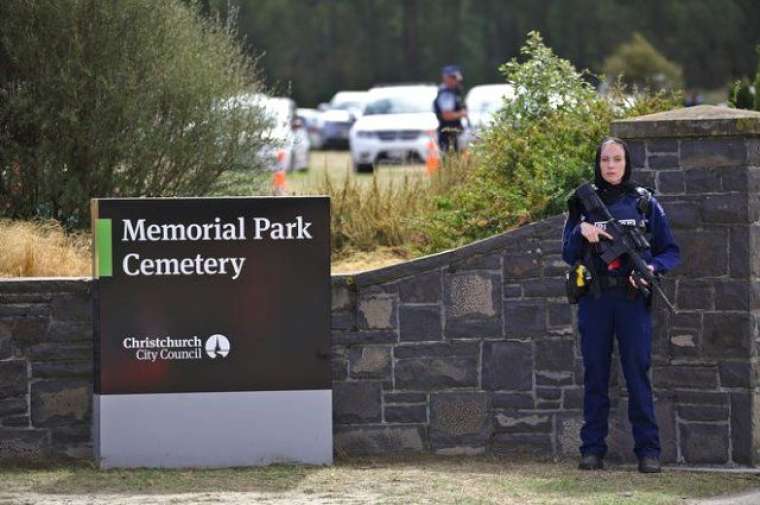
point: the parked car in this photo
(483, 102)
(398, 125)
(288, 148)
(312, 119)
(338, 116)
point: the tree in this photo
(410, 35)
(641, 65)
(127, 98)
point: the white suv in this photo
(482, 103)
(398, 125)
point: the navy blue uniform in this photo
(448, 100)
(614, 312)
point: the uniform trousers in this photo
(448, 139)
(614, 313)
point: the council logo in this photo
(217, 345)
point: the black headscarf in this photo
(607, 192)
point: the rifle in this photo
(624, 241)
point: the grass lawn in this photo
(392, 480)
(333, 164)
(337, 166)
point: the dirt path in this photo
(287, 498)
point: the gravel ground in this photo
(413, 479)
(355, 498)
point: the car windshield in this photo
(348, 105)
(398, 104)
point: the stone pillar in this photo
(704, 163)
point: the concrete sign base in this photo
(184, 430)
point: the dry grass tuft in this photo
(43, 249)
(381, 214)
(364, 218)
(359, 261)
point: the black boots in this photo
(591, 462)
(649, 464)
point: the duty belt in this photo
(607, 282)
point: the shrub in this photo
(539, 148)
(757, 79)
(741, 95)
(122, 98)
(641, 65)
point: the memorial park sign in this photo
(212, 327)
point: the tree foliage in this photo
(540, 147)
(744, 94)
(122, 98)
(641, 65)
(316, 47)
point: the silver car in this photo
(339, 115)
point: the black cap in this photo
(452, 70)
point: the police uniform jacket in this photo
(663, 255)
(448, 100)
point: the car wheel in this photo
(364, 168)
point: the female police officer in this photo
(616, 307)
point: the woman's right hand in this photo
(592, 233)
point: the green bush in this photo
(641, 65)
(744, 94)
(757, 79)
(540, 147)
(741, 95)
(117, 98)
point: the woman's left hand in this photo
(643, 281)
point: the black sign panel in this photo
(207, 295)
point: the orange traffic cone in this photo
(432, 160)
(279, 184)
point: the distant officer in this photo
(449, 108)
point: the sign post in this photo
(212, 327)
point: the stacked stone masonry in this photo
(45, 369)
(476, 350)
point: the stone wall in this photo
(45, 368)
(475, 350)
(465, 352)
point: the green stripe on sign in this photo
(104, 262)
